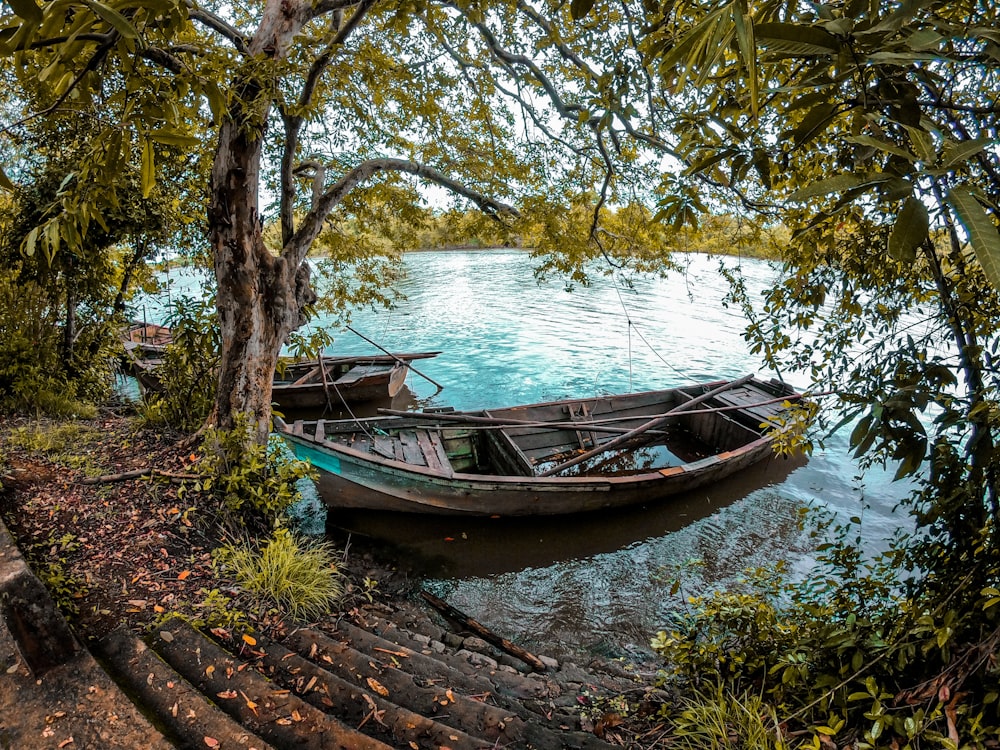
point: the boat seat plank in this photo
(310, 375)
(434, 452)
(746, 397)
(359, 372)
(412, 454)
(384, 445)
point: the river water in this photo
(599, 583)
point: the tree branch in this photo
(207, 18)
(295, 249)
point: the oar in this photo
(497, 423)
(615, 442)
(401, 361)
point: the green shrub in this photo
(284, 572)
(187, 376)
(257, 483)
(848, 656)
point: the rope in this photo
(631, 326)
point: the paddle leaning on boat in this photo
(544, 459)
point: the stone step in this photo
(187, 715)
(368, 706)
(432, 687)
(267, 709)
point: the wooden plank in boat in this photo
(385, 446)
(411, 448)
(434, 453)
(314, 372)
(362, 371)
(746, 397)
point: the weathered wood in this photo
(483, 632)
(137, 474)
(402, 362)
(501, 479)
(615, 442)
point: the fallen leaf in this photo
(283, 721)
(227, 694)
(209, 669)
(211, 742)
(250, 704)
(183, 575)
(378, 687)
(250, 640)
(65, 742)
(166, 635)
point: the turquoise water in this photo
(594, 584)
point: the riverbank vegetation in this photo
(853, 141)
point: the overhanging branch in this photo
(295, 249)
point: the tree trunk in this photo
(260, 296)
(257, 297)
(69, 328)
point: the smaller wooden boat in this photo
(327, 383)
(313, 386)
(146, 339)
(544, 459)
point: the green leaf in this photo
(982, 233)
(148, 168)
(174, 138)
(115, 19)
(795, 39)
(838, 184)
(881, 145)
(814, 123)
(955, 152)
(30, 242)
(5, 182)
(580, 8)
(923, 144)
(909, 231)
(27, 9)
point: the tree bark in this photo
(260, 296)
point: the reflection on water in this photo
(592, 583)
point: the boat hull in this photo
(433, 463)
(347, 481)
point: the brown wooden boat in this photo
(146, 339)
(551, 458)
(327, 383)
(314, 386)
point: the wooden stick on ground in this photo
(136, 474)
(483, 632)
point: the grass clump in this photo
(721, 720)
(285, 572)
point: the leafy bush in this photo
(849, 657)
(284, 572)
(32, 377)
(258, 483)
(187, 376)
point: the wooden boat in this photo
(329, 382)
(319, 385)
(544, 459)
(146, 339)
